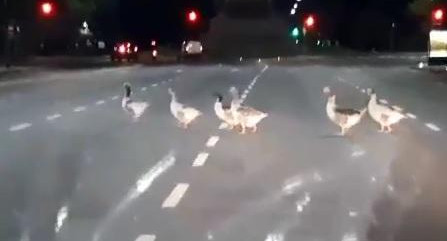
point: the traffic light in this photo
(438, 16)
(295, 32)
(309, 22)
(47, 9)
(192, 16)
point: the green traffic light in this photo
(295, 32)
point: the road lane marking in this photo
(303, 202)
(154, 85)
(19, 127)
(363, 91)
(383, 101)
(412, 116)
(100, 102)
(353, 213)
(358, 153)
(212, 141)
(243, 96)
(142, 185)
(143, 88)
(200, 159)
(433, 127)
(79, 109)
(115, 97)
(146, 237)
(275, 237)
(62, 215)
(349, 237)
(53, 117)
(179, 71)
(373, 179)
(176, 195)
(233, 70)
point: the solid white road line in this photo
(176, 195)
(79, 109)
(141, 186)
(433, 127)
(412, 116)
(143, 88)
(20, 127)
(212, 141)
(146, 237)
(115, 97)
(200, 159)
(100, 102)
(154, 85)
(53, 117)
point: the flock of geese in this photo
(235, 115)
(243, 117)
(386, 116)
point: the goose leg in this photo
(382, 128)
(255, 128)
(343, 131)
(389, 129)
(243, 129)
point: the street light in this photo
(192, 16)
(310, 21)
(292, 11)
(295, 5)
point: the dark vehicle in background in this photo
(125, 50)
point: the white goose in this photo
(224, 113)
(247, 117)
(136, 109)
(185, 115)
(344, 117)
(385, 115)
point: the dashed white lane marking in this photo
(154, 85)
(146, 237)
(20, 127)
(61, 217)
(100, 102)
(353, 213)
(53, 117)
(176, 195)
(383, 101)
(363, 91)
(275, 237)
(143, 88)
(179, 70)
(212, 141)
(358, 153)
(142, 185)
(115, 97)
(243, 96)
(79, 109)
(432, 127)
(373, 179)
(349, 237)
(200, 159)
(412, 116)
(233, 70)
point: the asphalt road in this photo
(74, 166)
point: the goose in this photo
(343, 117)
(136, 109)
(385, 115)
(224, 113)
(246, 116)
(185, 115)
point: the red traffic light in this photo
(47, 8)
(310, 21)
(192, 16)
(438, 14)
